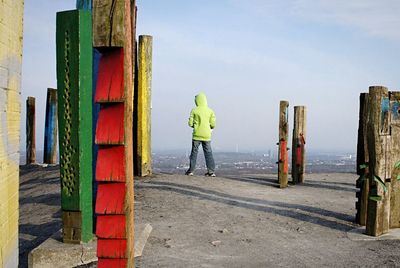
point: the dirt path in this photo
(225, 222)
(254, 224)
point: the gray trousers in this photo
(207, 154)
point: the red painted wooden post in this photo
(114, 36)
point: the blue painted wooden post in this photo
(50, 131)
(84, 4)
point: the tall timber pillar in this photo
(283, 161)
(395, 158)
(298, 144)
(143, 107)
(11, 29)
(380, 164)
(74, 82)
(362, 162)
(30, 130)
(50, 131)
(114, 36)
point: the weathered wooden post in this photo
(283, 161)
(380, 164)
(395, 156)
(30, 131)
(143, 122)
(298, 144)
(50, 130)
(362, 162)
(74, 82)
(114, 35)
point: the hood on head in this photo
(200, 99)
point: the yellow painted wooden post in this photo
(143, 165)
(11, 27)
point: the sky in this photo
(245, 56)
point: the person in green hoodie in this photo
(202, 120)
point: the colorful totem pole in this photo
(114, 36)
(283, 161)
(379, 161)
(298, 144)
(143, 108)
(30, 131)
(74, 81)
(50, 131)
(362, 162)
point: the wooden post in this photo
(50, 131)
(30, 131)
(74, 82)
(113, 34)
(380, 164)
(143, 122)
(362, 160)
(283, 161)
(298, 144)
(395, 156)
(84, 4)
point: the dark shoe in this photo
(210, 174)
(189, 173)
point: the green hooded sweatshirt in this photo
(202, 119)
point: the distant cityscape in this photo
(236, 163)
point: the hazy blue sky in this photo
(245, 56)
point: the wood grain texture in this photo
(109, 28)
(30, 131)
(395, 157)
(110, 164)
(114, 263)
(283, 160)
(110, 198)
(298, 144)
(110, 125)
(379, 146)
(110, 83)
(74, 83)
(111, 226)
(362, 159)
(111, 248)
(143, 122)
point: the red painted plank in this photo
(110, 125)
(110, 82)
(111, 163)
(111, 226)
(111, 263)
(111, 248)
(110, 198)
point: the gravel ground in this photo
(232, 221)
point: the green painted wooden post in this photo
(74, 81)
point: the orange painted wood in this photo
(110, 198)
(111, 248)
(110, 82)
(110, 125)
(111, 226)
(111, 164)
(111, 263)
